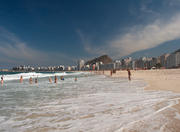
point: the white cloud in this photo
(146, 37)
(15, 51)
(87, 44)
(141, 37)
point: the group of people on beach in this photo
(30, 80)
(36, 79)
(128, 70)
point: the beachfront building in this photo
(68, 68)
(73, 68)
(4, 70)
(128, 63)
(163, 59)
(118, 64)
(134, 65)
(80, 64)
(87, 67)
(109, 66)
(144, 63)
(124, 63)
(140, 63)
(171, 61)
(154, 62)
(177, 59)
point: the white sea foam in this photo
(39, 75)
(177, 116)
(93, 103)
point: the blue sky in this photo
(53, 32)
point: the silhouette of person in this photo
(129, 74)
(55, 79)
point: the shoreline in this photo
(163, 79)
(158, 80)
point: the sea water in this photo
(93, 103)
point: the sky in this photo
(54, 32)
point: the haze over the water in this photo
(46, 32)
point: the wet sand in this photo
(158, 80)
(166, 79)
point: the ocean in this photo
(93, 103)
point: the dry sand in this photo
(166, 79)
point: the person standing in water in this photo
(55, 79)
(75, 79)
(30, 80)
(50, 80)
(21, 79)
(36, 80)
(129, 74)
(2, 80)
(62, 78)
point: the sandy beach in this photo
(165, 79)
(158, 80)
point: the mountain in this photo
(177, 51)
(104, 58)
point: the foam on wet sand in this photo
(158, 80)
(94, 103)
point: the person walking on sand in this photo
(55, 79)
(2, 80)
(129, 74)
(21, 79)
(30, 80)
(50, 80)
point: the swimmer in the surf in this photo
(55, 79)
(36, 80)
(50, 80)
(62, 78)
(2, 80)
(75, 79)
(30, 80)
(21, 79)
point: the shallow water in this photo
(93, 103)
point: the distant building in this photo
(140, 63)
(109, 66)
(171, 61)
(80, 64)
(178, 59)
(4, 70)
(163, 59)
(118, 65)
(133, 65)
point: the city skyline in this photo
(164, 61)
(61, 32)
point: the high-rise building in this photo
(80, 64)
(163, 59)
(177, 59)
(171, 61)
